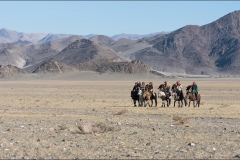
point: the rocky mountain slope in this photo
(28, 55)
(195, 49)
(54, 67)
(9, 70)
(103, 66)
(86, 50)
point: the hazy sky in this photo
(109, 17)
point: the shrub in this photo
(122, 112)
(88, 128)
(180, 120)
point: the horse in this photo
(191, 97)
(164, 98)
(180, 98)
(174, 90)
(147, 96)
(164, 94)
(137, 97)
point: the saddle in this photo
(194, 95)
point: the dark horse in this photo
(137, 96)
(174, 90)
(191, 97)
(180, 98)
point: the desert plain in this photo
(91, 116)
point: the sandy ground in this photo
(41, 117)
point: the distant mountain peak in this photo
(135, 36)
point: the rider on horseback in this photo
(143, 87)
(150, 87)
(179, 88)
(195, 89)
(166, 87)
(135, 87)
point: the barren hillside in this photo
(85, 50)
(196, 49)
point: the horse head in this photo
(161, 87)
(189, 88)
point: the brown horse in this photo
(147, 96)
(191, 97)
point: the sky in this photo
(109, 17)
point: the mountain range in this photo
(210, 49)
(193, 49)
(10, 36)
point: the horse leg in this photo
(140, 101)
(189, 103)
(178, 103)
(155, 101)
(134, 102)
(185, 101)
(148, 104)
(174, 103)
(145, 103)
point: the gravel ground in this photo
(46, 120)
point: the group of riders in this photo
(166, 88)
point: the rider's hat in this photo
(194, 83)
(178, 82)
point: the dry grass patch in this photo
(89, 128)
(211, 108)
(180, 120)
(123, 111)
(224, 105)
(62, 127)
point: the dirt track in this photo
(41, 119)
